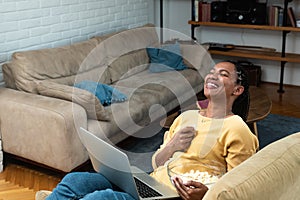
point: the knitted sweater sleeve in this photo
(239, 143)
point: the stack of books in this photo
(276, 16)
(202, 11)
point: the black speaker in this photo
(240, 6)
(218, 11)
(259, 14)
(237, 17)
(253, 13)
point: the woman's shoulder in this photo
(235, 122)
(190, 113)
(236, 118)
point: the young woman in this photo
(217, 134)
(221, 136)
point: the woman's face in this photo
(221, 81)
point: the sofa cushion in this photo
(126, 49)
(128, 64)
(87, 100)
(150, 92)
(165, 58)
(53, 63)
(105, 93)
(272, 173)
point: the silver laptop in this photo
(114, 165)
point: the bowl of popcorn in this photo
(207, 173)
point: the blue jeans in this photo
(86, 186)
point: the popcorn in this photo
(203, 177)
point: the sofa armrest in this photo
(271, 173)
(42, 129)
(94, 109)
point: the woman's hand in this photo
(180, 142)
(191, 190)
(182, 139)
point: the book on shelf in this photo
(291, 17)
(280, 16)
(196, 10)
(206, 9)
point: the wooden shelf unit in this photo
(246, 26)
(282, 56)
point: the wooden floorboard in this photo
(12, 191)
(21, 181)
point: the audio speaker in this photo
(254, 13)
(218, 11)
(259, 14)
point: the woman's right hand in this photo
(191, 190)
(182, 139)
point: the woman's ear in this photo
(238, 90)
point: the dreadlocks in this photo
(241, 104)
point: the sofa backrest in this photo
(81, 61)
(272, 173)
(124, 52)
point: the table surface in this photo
(260, 107)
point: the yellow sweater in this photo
(226, 141)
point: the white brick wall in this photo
(36, 24)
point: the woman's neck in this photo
(217, 111)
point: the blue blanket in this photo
(105, 93)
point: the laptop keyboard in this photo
(144, 190)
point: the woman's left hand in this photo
(191, 190)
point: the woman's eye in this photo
(224, 74)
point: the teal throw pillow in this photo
(166, 58)
(105, 93)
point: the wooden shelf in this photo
(264, 55)
(245, 26)
(275, 56)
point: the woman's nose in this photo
(213, 75)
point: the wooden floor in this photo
(21, 180)
(286, 103)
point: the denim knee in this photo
(76, 185)
(108, 194)
(74, 176)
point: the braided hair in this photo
(241, 104)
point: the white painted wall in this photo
(36, 24)
(178, 12)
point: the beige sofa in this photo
(41, 111)
(272, 173)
